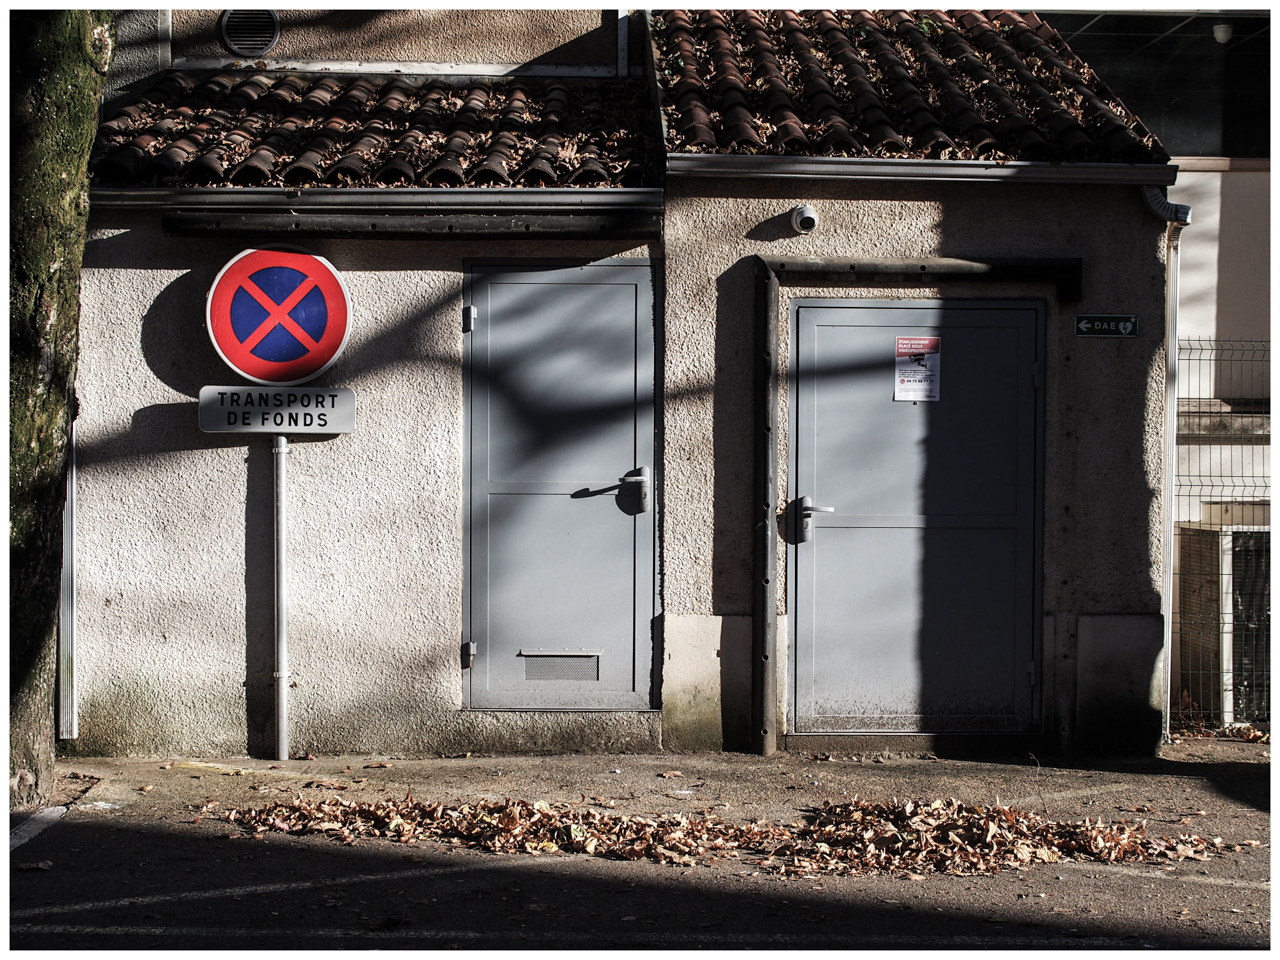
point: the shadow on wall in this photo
(733, 431)
(177, 350)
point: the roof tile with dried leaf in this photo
(255, 130)
(957, 85)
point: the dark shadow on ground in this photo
(116, 881)
(1245, 781)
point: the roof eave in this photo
(425, 200)
(616, 213)
(842, 168)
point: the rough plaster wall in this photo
(429, 36)
(1104, 401)
(136, 55)
(176, 608)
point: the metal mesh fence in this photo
(1222, 534)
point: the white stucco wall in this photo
(1103, 459)
(175, 543)
(174, 526)
(1225, 269)
(482, 35)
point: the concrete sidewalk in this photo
(138, 837)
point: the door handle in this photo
(639, 480)
(806, 510)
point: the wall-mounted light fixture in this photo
(804, 219)
(1222, 32)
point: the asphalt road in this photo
(127, 868)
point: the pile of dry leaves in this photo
(1198, 731)
(858, 837)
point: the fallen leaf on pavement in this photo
(380, 763)
(912, 838)
(38, 865)
(671, 773)
(146, 788)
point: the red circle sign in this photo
(278, 316)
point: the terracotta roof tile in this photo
(928, 84)
(233, 130)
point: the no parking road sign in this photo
(278, 317)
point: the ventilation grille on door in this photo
(562, 668)
(250, 33)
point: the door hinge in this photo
(1031, 669)
(469, 314)
(468, 655)
(1037, 375)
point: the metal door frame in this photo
(470, 266)
(1040, 308)
(1065, 273)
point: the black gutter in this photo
(398, 214)
(1065, 273)
(904, 168)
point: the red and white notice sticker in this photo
(915, 372)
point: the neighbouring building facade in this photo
(653, 446)
(1202, 83)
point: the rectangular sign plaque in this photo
(277, 409)
(917, 366)
(1106, 325)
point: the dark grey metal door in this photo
(559, 596)
(914, 577)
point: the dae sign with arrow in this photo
(1106, 325)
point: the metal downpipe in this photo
(280, 451)
(764, 594)
(1178, 216)
(1173, 234)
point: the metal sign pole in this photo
(280, 449)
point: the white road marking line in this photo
(243, 891)
(1068, 794)
(835, 940)
(1150, 875)
(32, 825)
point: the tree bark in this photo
(58, 65)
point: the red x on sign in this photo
(278, 316)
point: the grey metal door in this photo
(914, 575)
(559, 596)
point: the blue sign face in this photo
(278, 316)
(279, 284)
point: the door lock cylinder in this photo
(805, 511)
(639, 477)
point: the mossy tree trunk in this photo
(58, 63)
